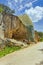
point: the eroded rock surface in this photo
(16, 27)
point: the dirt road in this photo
(28, 56)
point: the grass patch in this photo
(41, 39)
(8, 50)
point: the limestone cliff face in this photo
(15, 28)
(29, 26)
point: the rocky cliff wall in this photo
(14, 28)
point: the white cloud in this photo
(21, 7)
(34, 1)
(15, 1)
(10, 4)
(18, 1)
(28, 4)
(35, 14)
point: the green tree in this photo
(6, 9)
(1, 9)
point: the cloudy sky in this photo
(34, 8)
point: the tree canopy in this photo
(6, 9)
